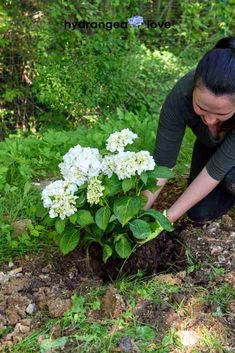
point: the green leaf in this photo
(145, 332)
(84, 218)
(69, 240)
(73, 218)
(80, 201)
(107, 252)
(140, 229)
(112, 218)
(102, 217)
(126, 207)
(122, 246)
(152, 184)
(158, 216)
(47, 345)
(96, 231)
(128, 184)
(161, 172)
(27, 187)
(60, 225)
(156, 230)
(112, 185)
(40, 211)
(110, 228)
(144, 177)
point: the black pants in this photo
(219, 200)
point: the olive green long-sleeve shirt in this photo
(177, 113)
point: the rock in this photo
(31, 308)
(188, 338)
(19, 328)
(3, 278)
(12, 273)
(215, 250)
(58, 306)
(20, 226)
(126, 344)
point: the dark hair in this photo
(216, 70)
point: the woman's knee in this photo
(198, 214)
(229, 181)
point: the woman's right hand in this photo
(151, 199)
(153, 196)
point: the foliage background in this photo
(52, 76)
(62, 87)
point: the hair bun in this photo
(225, 43)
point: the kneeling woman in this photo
(204, 100)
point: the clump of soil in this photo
(164, 253)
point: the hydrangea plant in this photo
(100, 200)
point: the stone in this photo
(21, 328)
(127, 345)
(31, 308)
(188, 338)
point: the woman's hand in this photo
(160, 182)
(151, 199)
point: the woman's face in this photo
(211, 108)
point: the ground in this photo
(188, 288)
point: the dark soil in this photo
(164, 253)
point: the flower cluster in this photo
(127, 164)
(80, 164)
(84, 164)
(118, 140)
(94, 191)
(59, 197)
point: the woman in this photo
(204, 100)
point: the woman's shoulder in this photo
(186, 83)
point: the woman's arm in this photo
(201, 186)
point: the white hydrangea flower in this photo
(125, 165)
(80, 164)
(118, 140)
(94, 191)
(144, 161)
(59, 197)
(109, 165)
